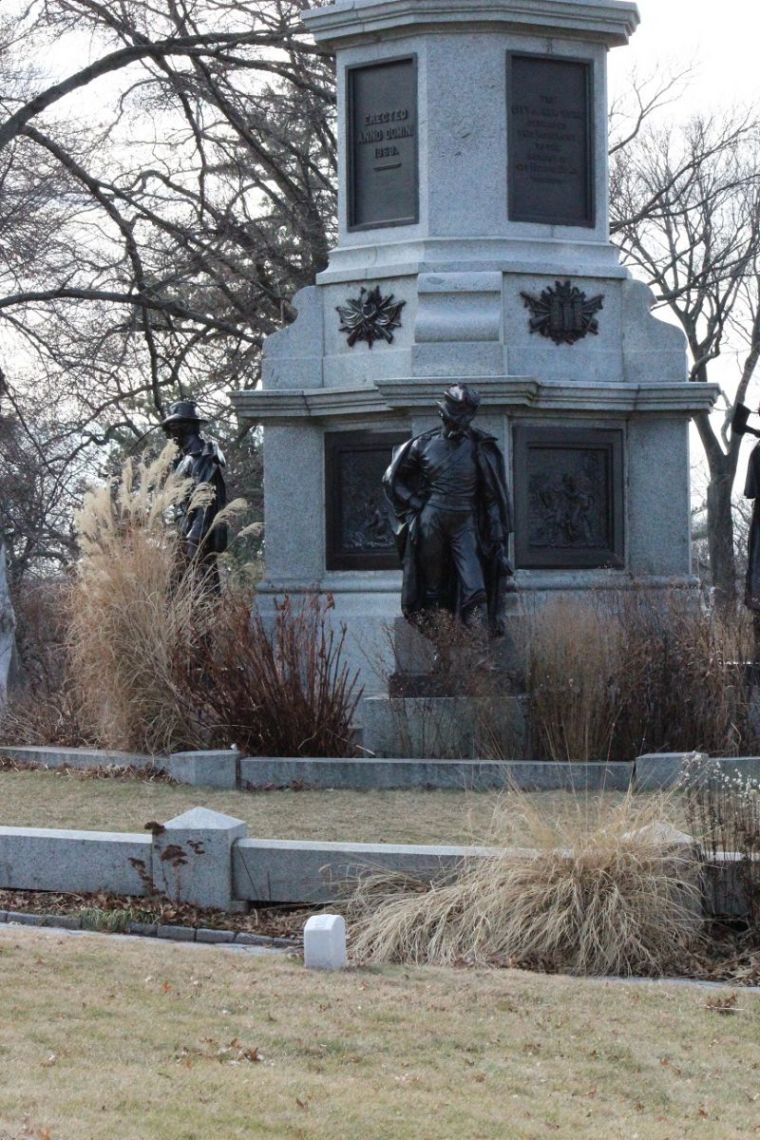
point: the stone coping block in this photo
(662, 770)
(454, 775)
(53, 756)
(74, 862)
(289, 870)
(214, 768)
(191, 857)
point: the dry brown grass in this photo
(636, 672)
(107, 1037)
(160, 662)
(133, 613)
(597, 891)
(576, 657)
(52, 799)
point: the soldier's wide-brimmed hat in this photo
(739, 424)
(183, 411)
(459, 401)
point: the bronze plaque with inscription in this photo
(382, 144)
(550, 175)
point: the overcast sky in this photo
(721, 39)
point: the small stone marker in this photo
(324, 942)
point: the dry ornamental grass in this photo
(636, 673)
(601, 891)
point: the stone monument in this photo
(474, 248)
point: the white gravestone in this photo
(324, 942)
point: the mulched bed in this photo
(271, 922)
(730, 955)
(101, 772)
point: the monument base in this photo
(446, 728)
(455, 695)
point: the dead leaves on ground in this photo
(723, 1002)
(232, 1053)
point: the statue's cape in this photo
(206, 465)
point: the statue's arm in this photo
(402, 478)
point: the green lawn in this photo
(107, 1037)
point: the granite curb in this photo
(206, 934)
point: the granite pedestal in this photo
(473, 218)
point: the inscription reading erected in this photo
(382, 145)
(550, 141)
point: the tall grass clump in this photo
(635, 672)
(43, 708)
(160, 662)
(598, 890)
(135, 610)
(576, 661)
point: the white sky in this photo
(721, 39)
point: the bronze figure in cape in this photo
(448, 490)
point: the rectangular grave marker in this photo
(550, 155)
(382, 144)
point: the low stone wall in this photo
(228, 769)
(282, 870)
(206, 858)
(46, 859)
(656, 771)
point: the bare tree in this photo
(686, 213)
(149, 242)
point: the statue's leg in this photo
(433, 557)
(466, 556)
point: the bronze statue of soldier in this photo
(448, 490)
(201, 460)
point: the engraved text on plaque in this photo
(382, 144)
(550, 160)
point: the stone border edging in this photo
(207, 934)
(226, 768)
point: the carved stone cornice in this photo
(611, 22)
(519, 394)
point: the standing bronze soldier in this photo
(448, 490)
(201, 460)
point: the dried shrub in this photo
(723, 809)
(44, 708)
(637, 672)
(600, 890)
(284, 691)
(575, 665)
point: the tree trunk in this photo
(720, 535)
